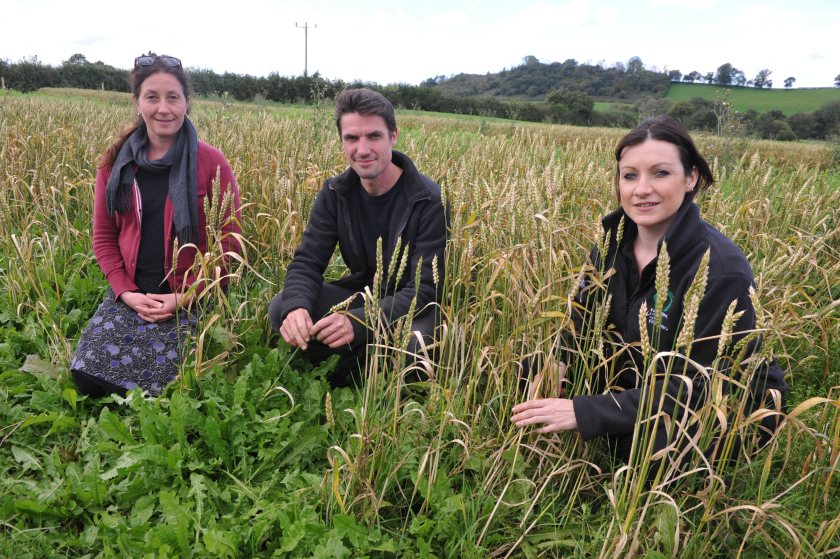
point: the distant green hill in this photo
(533, 79)
(789, 101)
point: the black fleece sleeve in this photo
(616, 413)
(305, 274)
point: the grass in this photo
(611, 106)
(789, 101)
(252, 454)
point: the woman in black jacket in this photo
(659, 171)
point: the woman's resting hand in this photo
(554, 414)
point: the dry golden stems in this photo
(525, 202)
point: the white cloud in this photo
(699, 5)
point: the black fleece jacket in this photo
(729, 279)
(420, 220)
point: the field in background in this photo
(253, 455)
(789, 101)
(608, 106)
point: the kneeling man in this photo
(381, 195)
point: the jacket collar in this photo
(349, 179)
(684, 232)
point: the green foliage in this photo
(720, 115)
(789, 101)
(535, 79)
(223, 473)
(252, 455)
(570, 107)
(724, 74)
(30, 74)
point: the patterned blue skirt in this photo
(121, 348)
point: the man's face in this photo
(367, 144)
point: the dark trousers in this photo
(351, 359)
(95, 387)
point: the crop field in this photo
(789, 101)
(252, 454)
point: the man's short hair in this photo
(365, 102)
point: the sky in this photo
(409, 41)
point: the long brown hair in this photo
(135, 82)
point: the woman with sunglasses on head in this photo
(150, 192)
(659, 170)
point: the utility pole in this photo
(305, 28)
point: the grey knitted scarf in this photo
(182, 162)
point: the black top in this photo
(150, 275)
(729, 279)
(375, 214)
(625, 253)
(419, 218)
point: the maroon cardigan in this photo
(116, 240)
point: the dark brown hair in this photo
(666, 129)
(365, 102)
(135, 83)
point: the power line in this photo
(305, 28)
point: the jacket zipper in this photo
(346, 211)
(398, 232)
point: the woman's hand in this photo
(555, 414)
(168, 304)
(152, 307)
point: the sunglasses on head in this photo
(149, 60)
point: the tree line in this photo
(493, 95)
(727, 74)
(718, 116)
(30, 74)
(534, 79)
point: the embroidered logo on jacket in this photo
(669, 302)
